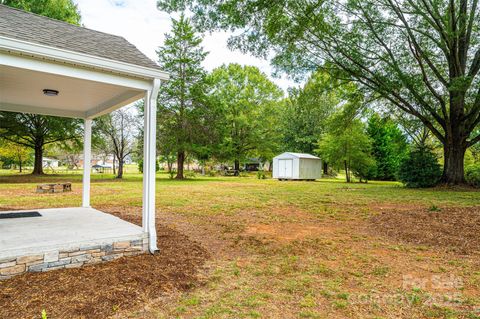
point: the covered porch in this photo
(48, 67)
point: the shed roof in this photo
(30, 27)
(298, 155)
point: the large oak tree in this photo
(37, 131)
(422, 56)
(249, 102)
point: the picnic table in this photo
(54, 188)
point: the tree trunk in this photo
(19, 164)
(120, 169)
(453, 169)
(325, 168)
(347, 173)
(237, 167)
(113, 166)
(180, 163)
(38, 162)
(455, 143)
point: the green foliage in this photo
(118, 129)
(475, 148)
(261, 175)
(349, 148)
(389, 146)
(249, 106)
(305, 113)
(37, 131)
(472, 175)
(190, 174)
(64, 10)
(185, 122)
(140, 166)
(14, 154)
(420, 169)
(44, 314)
(421, 57)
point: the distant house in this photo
(253, 165)
(296, 166)
(50, 162)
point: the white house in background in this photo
(297, 166)
(50, 162)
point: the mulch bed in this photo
(101, 290)
(455, 229)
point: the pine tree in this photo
(389, 146)
(181, 103)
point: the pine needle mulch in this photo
(455, 229)
(101, 290)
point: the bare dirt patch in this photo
(102, 290)
(456, 229)
(284, 232)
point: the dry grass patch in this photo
(294, 250)
(456, 229)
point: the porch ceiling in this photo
(21, 90)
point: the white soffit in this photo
(21, 90)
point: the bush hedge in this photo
(472, 175)
(420, 169)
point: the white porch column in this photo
(87, 156)
(149, 163)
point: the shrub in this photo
(420, 169)
(212, 173)
(190, 174)
(243, 174)
(261, 175)
(365, 170)
(472, 175)
(140, 166)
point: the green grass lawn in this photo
(289, 249)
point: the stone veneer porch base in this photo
(71, 258)
(65, 238)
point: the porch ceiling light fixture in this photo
(50, 92)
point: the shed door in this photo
(285, 168)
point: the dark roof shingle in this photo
(26, 26)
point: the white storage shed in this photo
(297, 166)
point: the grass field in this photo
(322, 249)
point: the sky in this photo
(142, 24)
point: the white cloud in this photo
(142, 24)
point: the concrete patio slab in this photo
(63, 229)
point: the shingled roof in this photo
(26, 26)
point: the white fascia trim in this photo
(40, 110)
(62, 55)
(69, 70)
